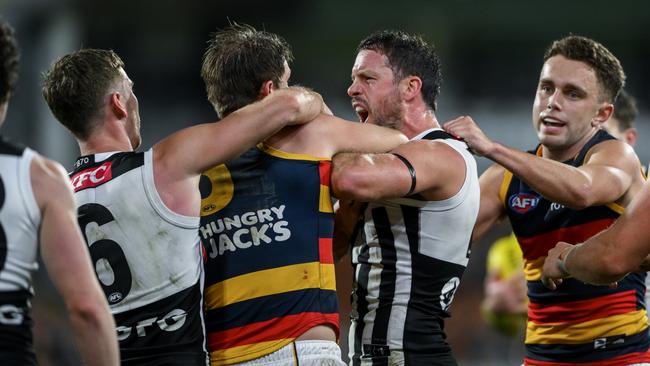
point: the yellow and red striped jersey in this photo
(577, 323)
(267, 227)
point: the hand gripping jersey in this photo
(267, 227)
(20, 219)
(408, 267)
(147, 258)
(577, 323)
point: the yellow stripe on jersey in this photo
(244, 353)
(533, 269)
(325, 204)
(505, 183)
(616, 208)
(287, 155)
(560, 333)
(256, 284)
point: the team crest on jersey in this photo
(92, 177)
(217, 191)
(523, 202)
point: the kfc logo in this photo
(92, 177)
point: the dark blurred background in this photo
(491, 55)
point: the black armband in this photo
(411, 172)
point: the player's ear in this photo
(266, 89)
(117, 105)
(410, 87)
(602, 114)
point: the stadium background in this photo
(491, 54)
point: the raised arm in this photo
(68, 263)
(192, 150)
(347, 136)
(607, 257)
(610, 170)
(369, 177)
(328, 135)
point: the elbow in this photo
(581, 198)
(87, 313)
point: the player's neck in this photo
(566, 153)
(105, 140)
(418, 120)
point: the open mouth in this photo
(552, 122)
(363, 114)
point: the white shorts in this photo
(301, 353)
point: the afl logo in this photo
(115, 297)
(217, 189)
(523, 202)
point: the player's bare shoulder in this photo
(49, 181)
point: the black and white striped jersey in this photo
(20, 219)
(408, 265)
(147, 258)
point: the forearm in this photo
(346, 221)
(94, 330)
(262, 119)
(368, 177)
(591, 264)
(541, 174)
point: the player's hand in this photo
(466, 129)
(309, 104)
(551, 272)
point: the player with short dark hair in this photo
(139, 211)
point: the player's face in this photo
(374, 91)
(133, 111)
(566, 103)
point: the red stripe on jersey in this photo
(325, 170)
(269, 330)
(325, 250)
(573, 312)
(538, 246)
(204, 254)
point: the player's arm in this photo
(68, 263)
(607, 174)
(607, 257)
(346, 221)
(192, 150)
(415, 167)
(347, 136)
(491, 210)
